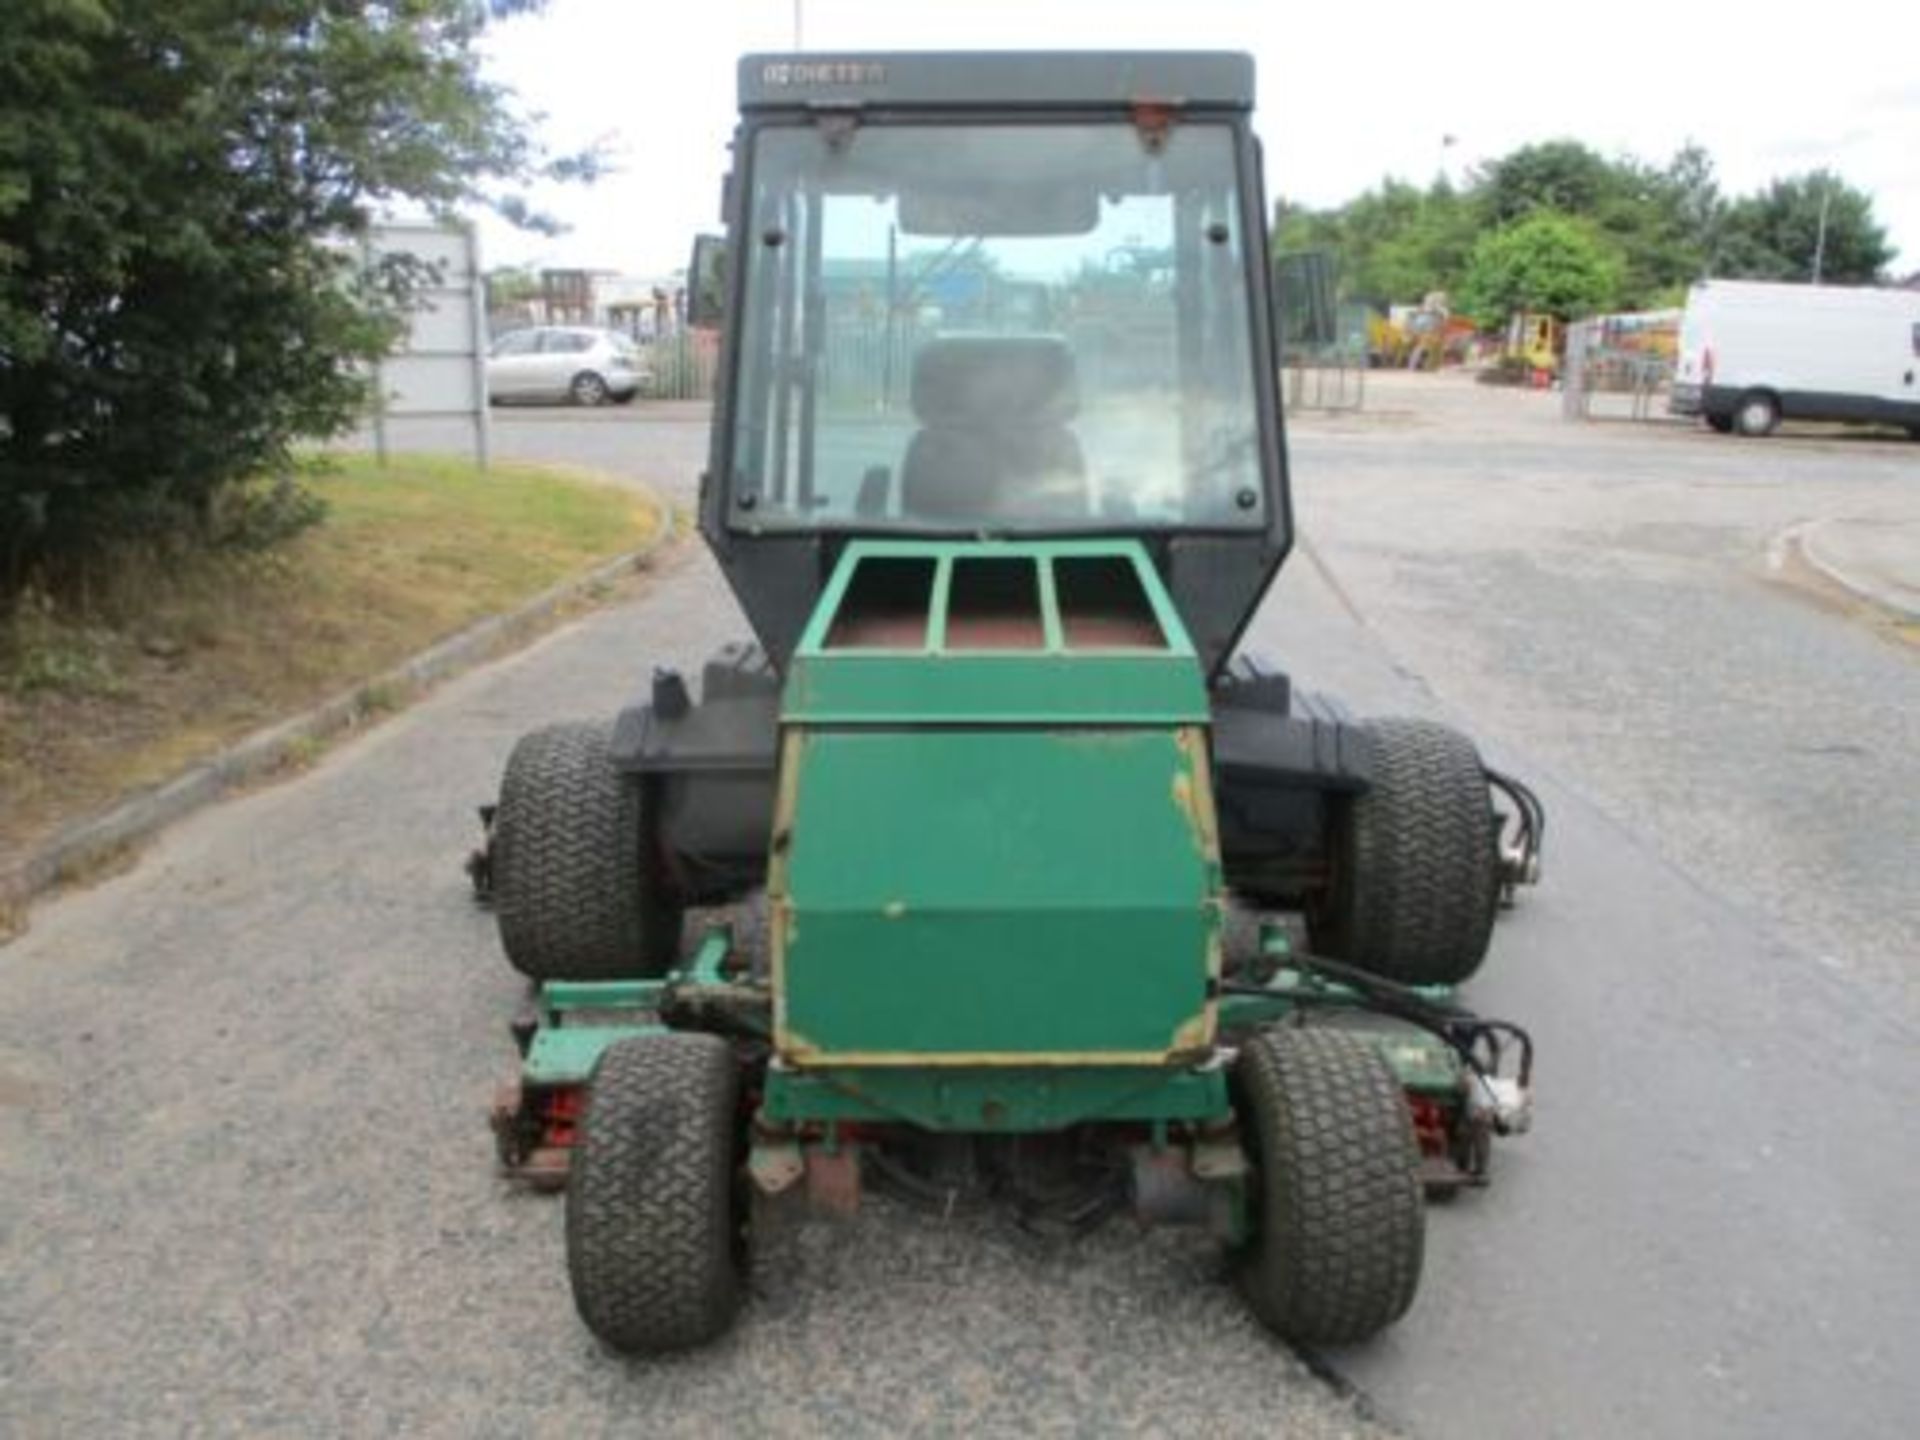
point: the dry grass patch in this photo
(162, 662)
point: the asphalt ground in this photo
(245, 1183)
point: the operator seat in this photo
(994, 441)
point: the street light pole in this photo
(1820, 237)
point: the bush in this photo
(180, 297)
(40, 652)
(262, 514)
(1545, 263)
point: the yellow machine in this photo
(1386, 343)
(1411, 337)
(1426, 332)
(1536, 340)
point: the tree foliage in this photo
(180, 186)
(1654, 228)
(1395, 243)
(1774, 234)
(1546, 262)
(1561, 175)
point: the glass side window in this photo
(564, 342)
(517, 342)
(1021, 327)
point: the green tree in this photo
(1546, 262)
(1691, 190)
(1296, 227)
(1395, 243)
(1660, 221)
(1430, 252)
(177, 305)
(1648, 230)
(1773, 235)
(1559, 175)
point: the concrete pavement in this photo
(245, 1183)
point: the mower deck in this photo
(1466, 1080)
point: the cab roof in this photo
(1197, 79)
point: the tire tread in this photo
(575, 893)
(1340, 1227)
(653, 1248)
(1420, 885)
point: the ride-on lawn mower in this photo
(998, 477)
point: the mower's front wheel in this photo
(1338, 1228)
(655, 1243)
(1416, 874)
(577, 890)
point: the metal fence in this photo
(1334, 382)
(682, 364)
(1618, 367)
(869, 366)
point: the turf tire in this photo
(1415, 867)
(655, 1244)
(1338, 1226)
(577, 893)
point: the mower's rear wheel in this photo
(576, 890)
(1338, 1228)
(655, 1244)
(1415, 868)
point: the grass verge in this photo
(162, 663)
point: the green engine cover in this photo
(995, 843)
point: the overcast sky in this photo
(1348, 92)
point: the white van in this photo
(1753, 354)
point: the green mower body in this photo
(998, 478)
(995, 892)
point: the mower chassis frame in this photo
(822, 1112)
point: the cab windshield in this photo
(995, 327)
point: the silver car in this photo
(564, 362)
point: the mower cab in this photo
(998, 477)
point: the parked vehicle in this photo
(565, 363)
(992, 761)
(1753, 354)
